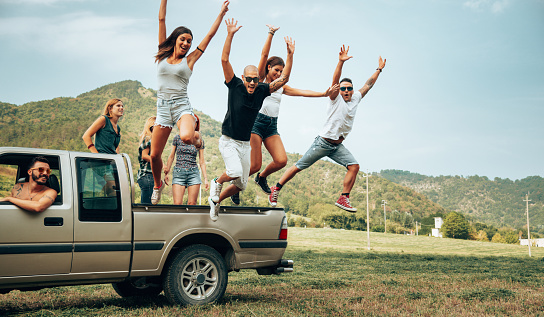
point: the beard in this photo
(36, 179)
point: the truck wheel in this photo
(137, 287)
(197, 275)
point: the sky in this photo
(462, 92)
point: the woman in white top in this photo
(265, 127)
(175, 66)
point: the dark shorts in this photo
(265, 126)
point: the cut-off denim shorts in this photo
(321, 148)
(170, 111)
(265, 126)
(186, 177)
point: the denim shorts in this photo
(265, 126)
(321, 148)
(186, 177)
(170, 111)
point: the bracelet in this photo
(198, 48)
(271, 32)
(380, 69)
(90, 145)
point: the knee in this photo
(353, 168)
(155, 155)
(282, 162)
(186, 138)
(255, 167)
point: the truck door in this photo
(35, 244)
(103, 226)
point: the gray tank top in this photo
(173, 79)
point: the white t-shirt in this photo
(271, 104)
(340, 116)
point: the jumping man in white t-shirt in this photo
(340, 115)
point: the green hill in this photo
(59, 124)
(498, 202)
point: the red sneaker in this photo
(273, 198)
(343, 202)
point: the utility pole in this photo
(367, 212)
(384, 202)
(528, 230)
(417, 233)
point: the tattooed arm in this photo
(37, 206)
(370, 82)
(284, 78)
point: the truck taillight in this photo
(283, 230)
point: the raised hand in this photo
(225, 7)
(331, 90)
(381, 63)
(343, 55)
(290, 45)
(232, 26)
(272, 29)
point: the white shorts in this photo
(237, 157)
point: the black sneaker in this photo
(261, 181)
(235, 199)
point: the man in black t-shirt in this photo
(245, 99)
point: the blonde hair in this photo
(146, 133)
(109, 105)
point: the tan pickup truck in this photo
(91, 235)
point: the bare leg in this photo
(256, 154)
(192, 194)
(186, 125)
(289, 174)
(225, 178)
(177, 192)
(350, 177)
(275, 147)
(229, 191)
(158, 141)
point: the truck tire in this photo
(137, 287)
(196, 276)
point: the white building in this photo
(435, 232)
(534, 242)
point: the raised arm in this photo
(370, 82)
(232, 28)
(342, 58)
(197, 53)
(162, 22)
(284, 78)
(266, 51)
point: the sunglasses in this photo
(348, 88)
(254, 79)
(42, 170)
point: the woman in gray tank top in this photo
(175, 66)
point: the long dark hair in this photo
(273, 61)
(166, 48)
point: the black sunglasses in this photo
(348, 88)
(254, 79)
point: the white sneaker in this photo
(215, 190)
(214, 209)
(156, 195)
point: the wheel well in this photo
(215, 241)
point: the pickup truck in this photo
(91, 235)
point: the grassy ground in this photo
(335, 274)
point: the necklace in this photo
(31, 197)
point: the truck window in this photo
(14, 169)
(98, 190)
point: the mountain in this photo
(59, 124)
(499, 202)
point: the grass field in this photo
(335, 274)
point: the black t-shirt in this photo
(243, 108)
